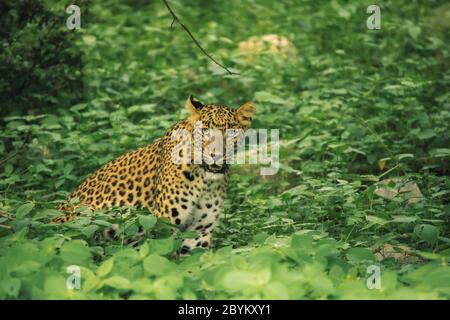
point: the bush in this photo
(41, 66)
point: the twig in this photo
(388, 171)
(6, 215)
(175, 18)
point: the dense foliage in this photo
(40, 64)
(364, 122)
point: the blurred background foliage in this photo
(363, 117)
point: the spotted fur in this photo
(190, 195)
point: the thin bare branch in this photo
(6, 215)
(175, 18)
(4, 226)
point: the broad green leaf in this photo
(75, 253)
(157, 265)
(427, 232)
(105, 268)
(24, 209)
(118, 282)
(147, 221)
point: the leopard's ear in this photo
(193, 105)
(245, 113)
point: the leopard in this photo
(163, 178)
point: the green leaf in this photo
(47, 213)
(429, 255)
(376, 220)
(440, 152)
(162, 246)
(302, 243)
(75, 253)
(102, 223)
(118, 282)
(189, 235)
(265, 96)
(157, 265)
(427, 232)
(239, 279)
(24, 209)
(106, 267)
(55, 286)
(405, 155)
(148, 221)
(10, 287)
(322, 284)
(89, 40)
(144, 250)
(89, 230)
(426, 134)
(356, 255)
(403, 219)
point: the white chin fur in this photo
(213, 176)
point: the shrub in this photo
(41, 65)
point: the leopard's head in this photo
(217, 129)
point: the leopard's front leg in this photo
(205, 219)
(203, 241)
